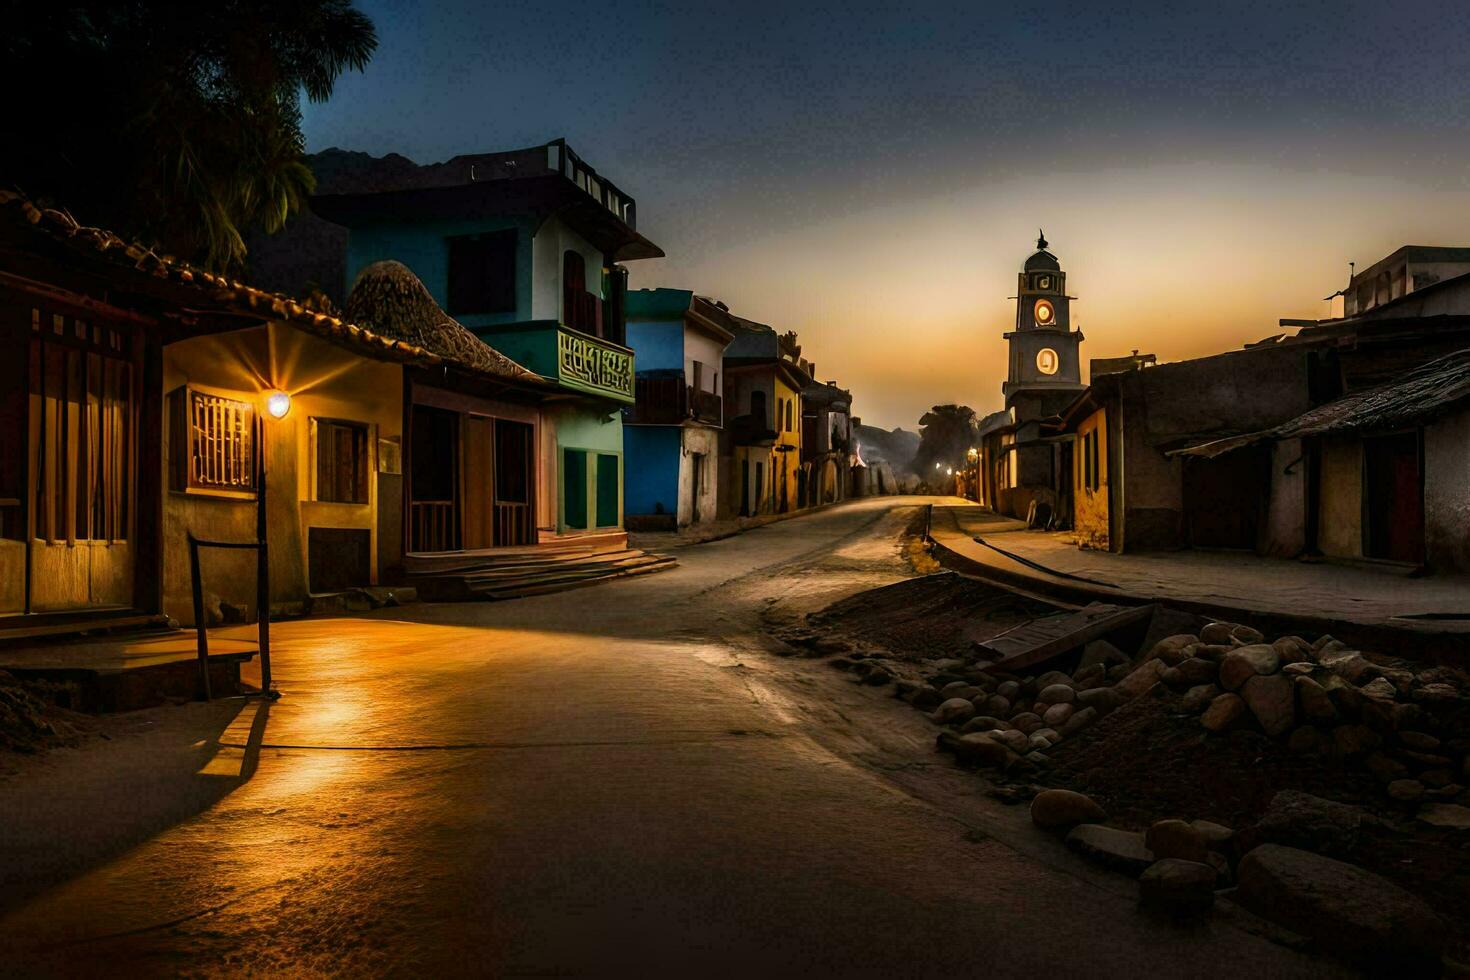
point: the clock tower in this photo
(1045, 371)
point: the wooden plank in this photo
(1040, 640)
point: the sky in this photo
(872, 176)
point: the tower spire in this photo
(1040, 238)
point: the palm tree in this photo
(174, 120)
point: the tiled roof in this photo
(219, 292)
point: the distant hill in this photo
(895, 448)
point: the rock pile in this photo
(1409, 728)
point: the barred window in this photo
(214, 447)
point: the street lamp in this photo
(278, 403)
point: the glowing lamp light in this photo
(278, 403)
(949, 470)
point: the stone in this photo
(1050, 734)
(1039, 743)
(1247, 635)
(1057, 694)
(1142, 678)
(1213, 652)
(1353, 913)
(925, 699)
(1104, 699)
(1086, 675)
(1079, 720)
(1315, 704)
(1017, 742)
(955, 711)
(1384, 768)
(1197, 699)
(1298, 819)
(1418, 741)
(1171, 648)
(1178, 888)
(1010, 690)
(1221, 864)
(1175, 839)
(1351, 741)
(1293, 650)
(1216, 836)
(981, 750)
(1437, 778)
(905, 688)
(1402, 680)
(1036, 758)
(1406, 790)
(1450, 815)
(1437, 693)
(877, 677)
(1196, 671)
(1223, 712)
(1052, 677)
(1027, 721)
(1326, 641)
(1426, 760)
(1063, 809)
(1346, 698)
(1217, 632)
(960, 689)
(1350, 665)
(1119, 671)
(1101, 653)
(985, 723)
(1381, 688)
(1270, 700)
(1298, 669)
(1121, 850)
(1057, 715)
(831, 644)
(1307, 740)
(1247, 662)
(994, 705)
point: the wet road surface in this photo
(585, 783)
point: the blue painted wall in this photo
(657, 345)
(424, 248)
(651, 468)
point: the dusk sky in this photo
(873, 176)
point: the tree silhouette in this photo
(946, 433)
(175, 121)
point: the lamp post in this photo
(973, 455)
(278, 406)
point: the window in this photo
(580, 309)
(698, 376)
(788, 414)
(1089, 474)
(482, 273)
(758, 407)
(215, 444)
(341, 461)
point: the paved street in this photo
(613, 780)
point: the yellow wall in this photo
(324, 381)
(787, 451)
(1091, 506)
(1340, 520)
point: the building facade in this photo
(524, 248)
(762, 437)
(672, 431)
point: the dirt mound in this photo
(933, 617)
(28, 722)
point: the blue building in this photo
(671, 434)
(524, 248)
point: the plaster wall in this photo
(552, 241)
(1090, 507)
(787, 451)
(1340, 520)
(698, 441)
(575, 425)
(1285, 533)
(324, 381)
(654, 479)
(1447, 492)
(709, 352)
(658, 345)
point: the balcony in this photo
(577, 361)
(668, 400)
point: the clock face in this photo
(1044, 282)
(1045, 313)
(1047, 361)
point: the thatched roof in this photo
(389, 299)
(204, 289)
(1411, 399)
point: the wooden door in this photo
(82, 418)
(478, 491)
(433, 483)
(1393, 498)
(515, 483)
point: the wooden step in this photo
(548, 588)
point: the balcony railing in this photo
(559, 157)
(670, 401)
(598, 366)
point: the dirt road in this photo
(617, 780)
